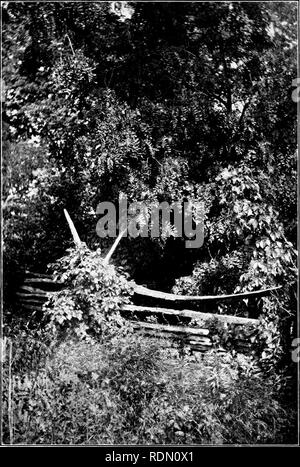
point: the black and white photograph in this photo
(149, 269)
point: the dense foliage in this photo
(166, 102)
(158, 101)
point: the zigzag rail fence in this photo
(173, 321)
(37, 288)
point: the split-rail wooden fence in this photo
(174, 317)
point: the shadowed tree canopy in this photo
(163, 102)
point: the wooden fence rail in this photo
(144, 291)
(197, 315)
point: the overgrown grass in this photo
(134, 390)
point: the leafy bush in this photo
(94, 292)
